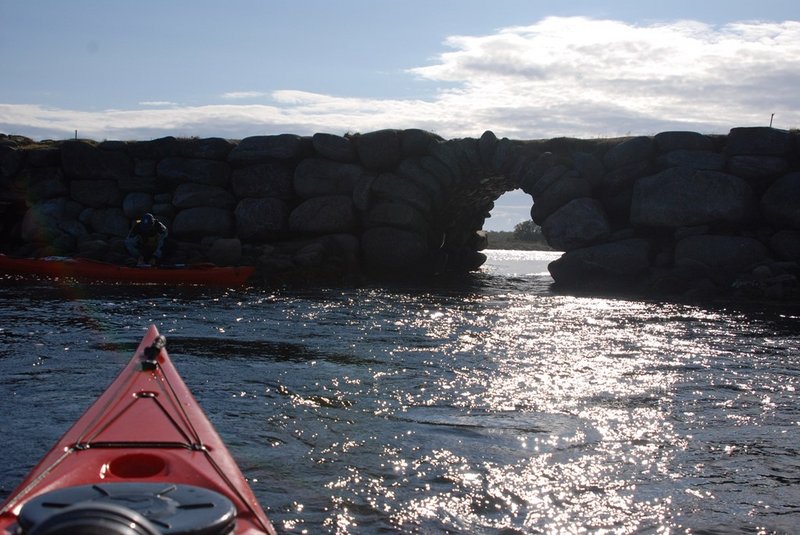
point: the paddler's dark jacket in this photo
(147, 241)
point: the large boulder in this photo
(136, 204)
(685, 197)
(747, 166)
(680, 140)
(257, 149)
(548, 178)
(416, 142)
(621, 178)
(333, 147)
(438, 170)
(786, 244)
(324, 215)
(589, 167)
(11, 159)
(110, 221)
(780, 204)
(316, 177)
(450, 154)
(623, 262)
(51, 221)
(149, 184)
(47, 156)
(199, 222)
(505, 155)
(84, 160)
(729, 254)
(259, 219)
(411, 169)
(40, 183)
(379, 150)
(535, 176)
(224, 251)
(758, 140)
(460, 260)
(208, 172)
(557, 195)
(154, 149)
(271, 179)
(191, 195)
(399, 215)
(340, 255)
(96, 193)
(694, 159)
(469, 150)
(397, 188)
(577, 224)
(487, 144)
(362, 192)
(628, 152)
(392, 251)
(210, 148)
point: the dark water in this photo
(489, 406)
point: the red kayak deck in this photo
(146, 428)
(91, 270)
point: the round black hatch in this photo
(94, 518)
(170, 509)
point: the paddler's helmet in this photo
(148, 221)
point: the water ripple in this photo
(490, 405)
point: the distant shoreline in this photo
(506, 240)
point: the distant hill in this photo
(506, 240)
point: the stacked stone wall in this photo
(675, 213)
(678, 213)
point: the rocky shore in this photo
(677, 213)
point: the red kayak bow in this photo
(142, 460)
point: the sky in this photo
(524, 69)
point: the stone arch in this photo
(432, 206)
(443, 192)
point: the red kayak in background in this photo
(142, 460)
(92, 270)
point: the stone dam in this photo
(672, 214)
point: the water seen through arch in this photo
(490, 404)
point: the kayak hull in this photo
(83, 269)
(146, 428)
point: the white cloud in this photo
(592, 76)
(243, 95)
(157, 103)
(558, 77)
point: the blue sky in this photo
(523, 69)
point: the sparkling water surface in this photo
(490, 404)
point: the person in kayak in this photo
(147, 240)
